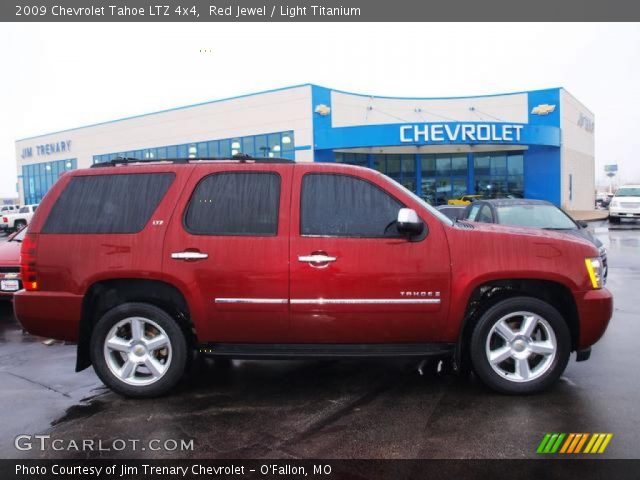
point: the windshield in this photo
(540, 216)
(439, 215)
(628, 192)
(19, 236)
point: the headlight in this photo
(594, 268)
(614, 204)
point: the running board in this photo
(293, 350)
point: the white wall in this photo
(277, 111)
(348, 109)
(577, 153)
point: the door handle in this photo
(316, 258)
(189, 255)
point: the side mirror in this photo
(582, 224)
(408, 222)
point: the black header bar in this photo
(289, 469)
(317, 11)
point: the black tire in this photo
(614, 219)
(511, 382)
(18, 225)
(178, 350)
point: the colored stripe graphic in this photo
(556, 446)
(598, 442)
(581, 443)
(543, 443)
(607, 439)
(568, 442)
(573, 443)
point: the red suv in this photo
(143, 264)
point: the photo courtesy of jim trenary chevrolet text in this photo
(333, 239)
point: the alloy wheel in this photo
(137, 351)
(521, 346)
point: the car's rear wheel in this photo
(138, 350)
(520, 345)
(19, 224)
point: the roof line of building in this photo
(271, 91)
(461, 97)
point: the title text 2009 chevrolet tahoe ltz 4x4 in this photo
(143, 264)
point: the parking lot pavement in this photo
(333, 409)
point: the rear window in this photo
(108, 203)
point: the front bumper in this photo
(49, 314)
(623, 212)
(595, 308)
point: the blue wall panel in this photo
(549, 97)
(542, 174)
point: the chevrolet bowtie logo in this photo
(543, 109)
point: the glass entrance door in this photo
(443, 177)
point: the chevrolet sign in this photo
(460, 133)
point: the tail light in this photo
(5, 219)
(28, 262)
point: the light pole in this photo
(611, 175)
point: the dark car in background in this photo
(531, 213)
(454, 212)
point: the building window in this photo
(360, 159)
(38, 178)
(443, 177)
(280, 144)
(499, 174)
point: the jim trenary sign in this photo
(47, 149)
(460, 133)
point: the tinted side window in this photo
(343, 206)
(108, 203)
(234, 203)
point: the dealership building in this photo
(537, 144)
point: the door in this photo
(354, 279)
(228, 247)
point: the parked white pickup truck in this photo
(8, 209)
(15, 221)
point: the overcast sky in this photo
(58, 76)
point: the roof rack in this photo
(240, 157)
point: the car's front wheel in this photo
(138, 350)
(520, 345)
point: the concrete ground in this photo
(589, 215)
(332, 409)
